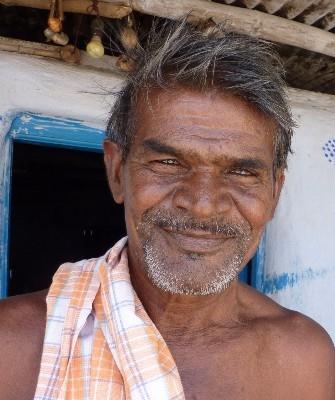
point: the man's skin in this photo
(209, 155)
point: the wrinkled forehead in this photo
(178, 114)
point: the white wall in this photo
(54, 88)
(300, 241)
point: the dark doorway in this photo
(61, 210)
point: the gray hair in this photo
(178, 52)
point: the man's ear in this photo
(279, 179)
(114, 169)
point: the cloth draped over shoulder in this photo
(100, 344)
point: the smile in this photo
(196, 241)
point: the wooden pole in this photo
(252, 22)
(68, 54)
(31, 48)
(106, 9)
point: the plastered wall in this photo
(299, 268)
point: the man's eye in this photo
(169, 161)
(241, 172)
(169, 166)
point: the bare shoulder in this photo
(300, 350)
(21, 339)
(309, 355)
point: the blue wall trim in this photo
(69, 133)
(258, 265)
(41, 130)
(275, 283)
(59, 132)
(5, 186)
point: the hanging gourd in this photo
(129, 39)
(95, 47)
(70, 54)
(128, 35)
(125, 63)
(55, 24)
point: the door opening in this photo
(61, 210)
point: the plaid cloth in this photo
(100, 344)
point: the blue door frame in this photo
(40, 130)
(59, 132)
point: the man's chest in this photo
(228, 373)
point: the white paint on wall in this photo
(300, 241)
(53, 88)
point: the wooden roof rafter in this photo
(307, 11)
(247, 20)
(328, 22)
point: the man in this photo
(196, 151)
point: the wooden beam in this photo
(328, 22)
(106, 63)
(251, 3)
(31, 48)
(317, 11)
(293, 8)
(273, 6)
(115, 9)
(252, 22)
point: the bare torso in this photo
(21, 339)
(270, 353)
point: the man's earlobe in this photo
(114, 170)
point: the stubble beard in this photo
(191, 274)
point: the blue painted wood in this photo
(257, 266)
(59, 132)
(40, 130)
(68, 133)
(5, 186)
(243, 276)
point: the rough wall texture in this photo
(299, 247)
(300, 241)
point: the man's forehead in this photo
(204, 126)
(213, 114)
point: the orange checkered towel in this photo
(100, 344)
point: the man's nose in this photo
(203, 195)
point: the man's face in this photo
(198, 187)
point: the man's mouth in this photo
(198, 242)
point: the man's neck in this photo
(176, 315)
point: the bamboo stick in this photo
(295, 7)
(252, 22)
(106, 9)
(311, 16)
(106, 63)
(31, 48)
(328, 22)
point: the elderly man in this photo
(196, 151)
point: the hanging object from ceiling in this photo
(129, 39)
(54, 31)
(128, 35)
(95, 47)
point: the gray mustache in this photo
(183, 223)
